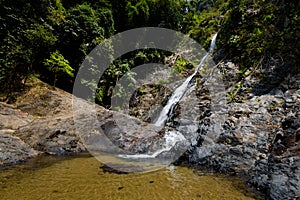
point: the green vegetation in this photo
(50, 38)
(59, 66)
(180, 65)
(267, 30)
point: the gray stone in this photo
(13, 150)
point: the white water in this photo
(181, 90)
(172, 137)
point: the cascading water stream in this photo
(173, 137)
(181, 90)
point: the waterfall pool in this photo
(83, 177)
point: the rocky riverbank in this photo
(257, 132)
(29, 128)
(258, 137)
(44, 121)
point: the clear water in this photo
(82, 177)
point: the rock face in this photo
(284, 160)
(259, 138)
(13, 118)
(256, 133)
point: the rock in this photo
(284, 160)
(259, 138)
(13, 118)
(230, 72)
(44, 102)
(13, 150)
(89, 127)
(278, 186)
(52, 136)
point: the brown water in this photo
(82, 177)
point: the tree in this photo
(254, 30)
(25, 37)
(80, 32)
(58, 65)
(130, 14)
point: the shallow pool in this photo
(83, 177)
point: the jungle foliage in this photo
(51, 38)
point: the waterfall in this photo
(171, 138)
(181, 90)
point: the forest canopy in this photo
(50, 38)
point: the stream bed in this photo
(84, 177)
